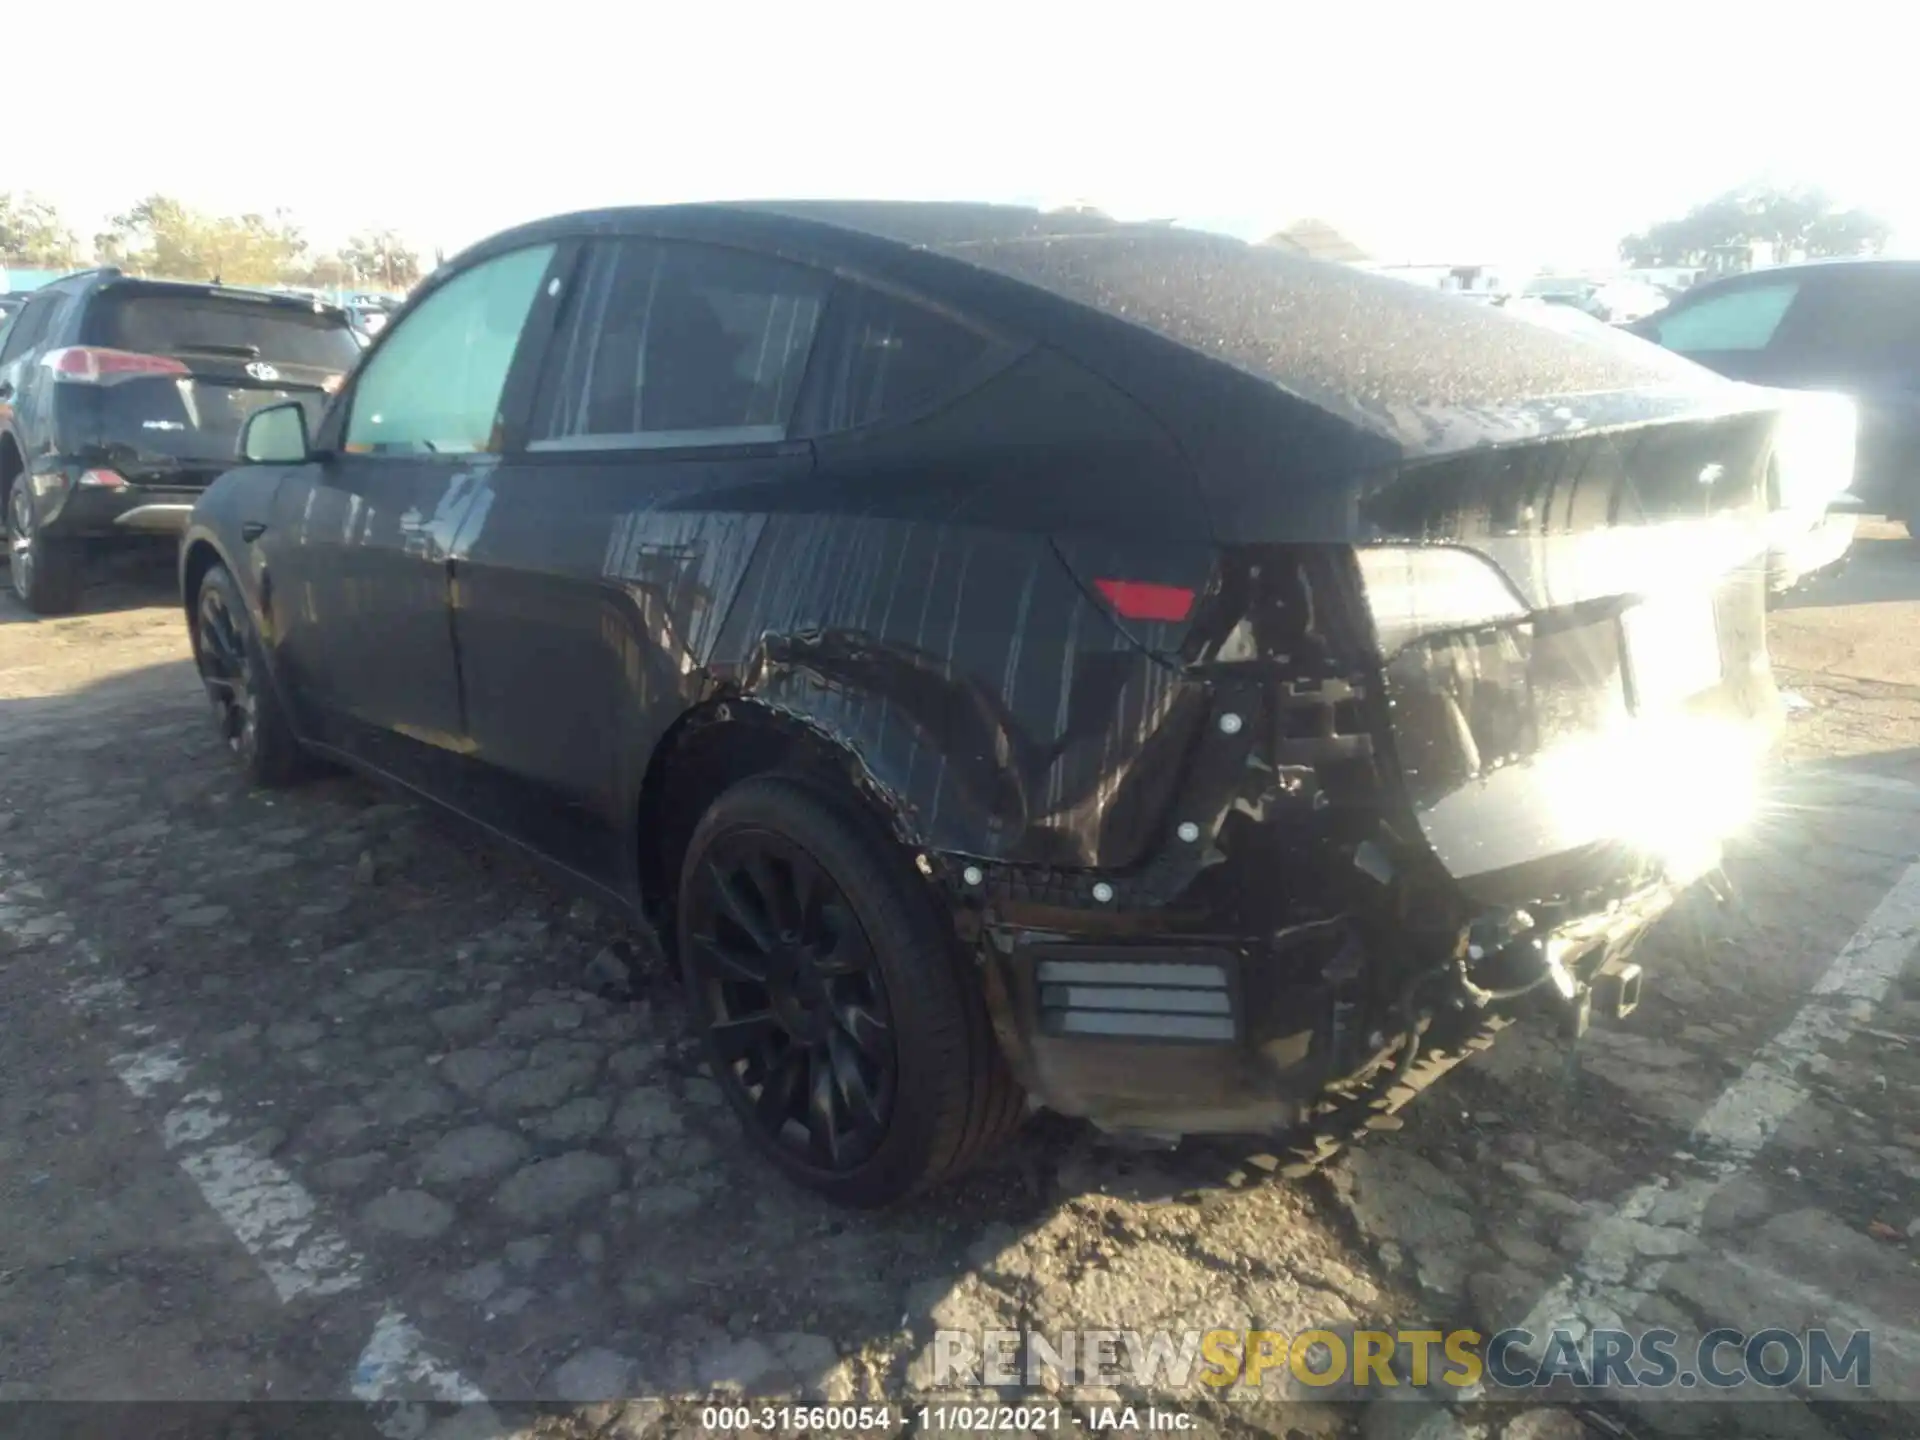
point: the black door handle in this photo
(252, 529)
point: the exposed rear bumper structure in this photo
(1222, 1037)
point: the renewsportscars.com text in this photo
(1224, 1360)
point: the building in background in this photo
(1482, 279)
(1317, 240)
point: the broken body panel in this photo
(1265, 661)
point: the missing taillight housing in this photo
(1144, 600)
(97, 365)
(1414, 591)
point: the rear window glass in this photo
(185, 325)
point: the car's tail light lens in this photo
(103, 479)
(1415, 591)
(1143, 600)
(94, 365)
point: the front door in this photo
(361, 537)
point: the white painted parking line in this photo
(267, 1210)
(1632, 1248)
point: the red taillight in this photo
(92, 365)
(1142, 600)
(103, 479)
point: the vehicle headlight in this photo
(1814, 450)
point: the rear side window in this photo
(1742, 319)
(436, 384)
(672, 344)
(29, 324)
(1863, 321)
(889, 359)
(188, 324)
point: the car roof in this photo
(1370, 349)
(1871, 264)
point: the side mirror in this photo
(276, 435)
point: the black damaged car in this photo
(1021, 659)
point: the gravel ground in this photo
(308, 1096)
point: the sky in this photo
(1501, 133)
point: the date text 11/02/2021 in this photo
(942, 1419)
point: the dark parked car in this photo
(121, 398)
(1847, 326)
(1009, 655)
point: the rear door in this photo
(597, 565)
(1858, 333)
(175, 371)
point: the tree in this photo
(162, 237)
(32, 234)
(1793, 222)
(382, 258)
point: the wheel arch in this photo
(723, 741)
(200, 551)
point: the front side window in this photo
(670, 344)
(436, 385)
(890, 359)
(1742, 319)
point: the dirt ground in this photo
(309, 1097)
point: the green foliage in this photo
(160, 236)
(32, 235)
(1800, 222)
(381, 260)
(164, 238)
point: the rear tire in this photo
(233, 667)
(833, 1000)
(47, 575)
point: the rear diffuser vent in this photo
(1136, 999)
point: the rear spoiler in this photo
(209, 290)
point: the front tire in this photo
(832, 999)
(46, 575)
(233, 667)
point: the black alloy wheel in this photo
(20, 547)
(227, 671)
(796, 1004)
(836, 1007)
(233, 668)
(45, 575)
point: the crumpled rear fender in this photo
(980, 688)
